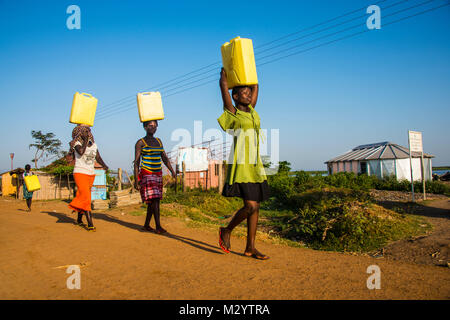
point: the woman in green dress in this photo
(246, 177)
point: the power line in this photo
(354, 34)
(218, 62)
(295, 53)
(328, 28)
(132, 105)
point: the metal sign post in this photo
(11, 155)
(415, 145)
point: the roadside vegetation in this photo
(306, 209)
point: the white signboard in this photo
(415, 141)
(195, 159)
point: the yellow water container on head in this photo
(32, 183)
(238, 60)
(84, 106)
(150, 106)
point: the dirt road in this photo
(121, 262)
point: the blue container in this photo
(100, 178)
(98, 193)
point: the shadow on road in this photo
(422, 209)
(63, 218)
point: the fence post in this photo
(184, 176)
(59, 186)
(68, 185)
(120, 179)
(220, 169)
(176, 177)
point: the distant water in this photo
(440, 172)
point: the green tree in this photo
(284, 166)
(45, 144)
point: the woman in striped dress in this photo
(149, 155)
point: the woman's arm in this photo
(137, 158)
(81, 149)
(166, 161)
(255, 89)
(99, 159)
(223, 82)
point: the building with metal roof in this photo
(382, 159)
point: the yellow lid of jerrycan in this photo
(238, 61)
(150, 106)
(84, 106)
(32, 183)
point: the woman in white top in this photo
(86, 154)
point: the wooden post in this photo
(131, 182)
(184, 176)
(220, 177)
(423, 177)
(411, 167)
(68, 185)
(120, 179)
(176, 178)
(59, 186)
(18, 186)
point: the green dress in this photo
(246, 177)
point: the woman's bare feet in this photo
(224, 239)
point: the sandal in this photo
(160, 231)
(149, 229)
(222, 243)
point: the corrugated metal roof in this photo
(380, 150)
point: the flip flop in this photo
(256, 256)
(222, 243)
(149, 229)
(160, 231)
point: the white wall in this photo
(403, 169)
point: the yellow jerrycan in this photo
(84, 106)
(150, 106)
(238, 60)
(32, 183)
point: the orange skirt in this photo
(82, 201)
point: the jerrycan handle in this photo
(87, 94)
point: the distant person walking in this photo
(246, 177)
(27, 195)
(148, 157)
(85, 151)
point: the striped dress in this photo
(150, 175)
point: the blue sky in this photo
(365, 89)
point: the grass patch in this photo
(323, 217)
